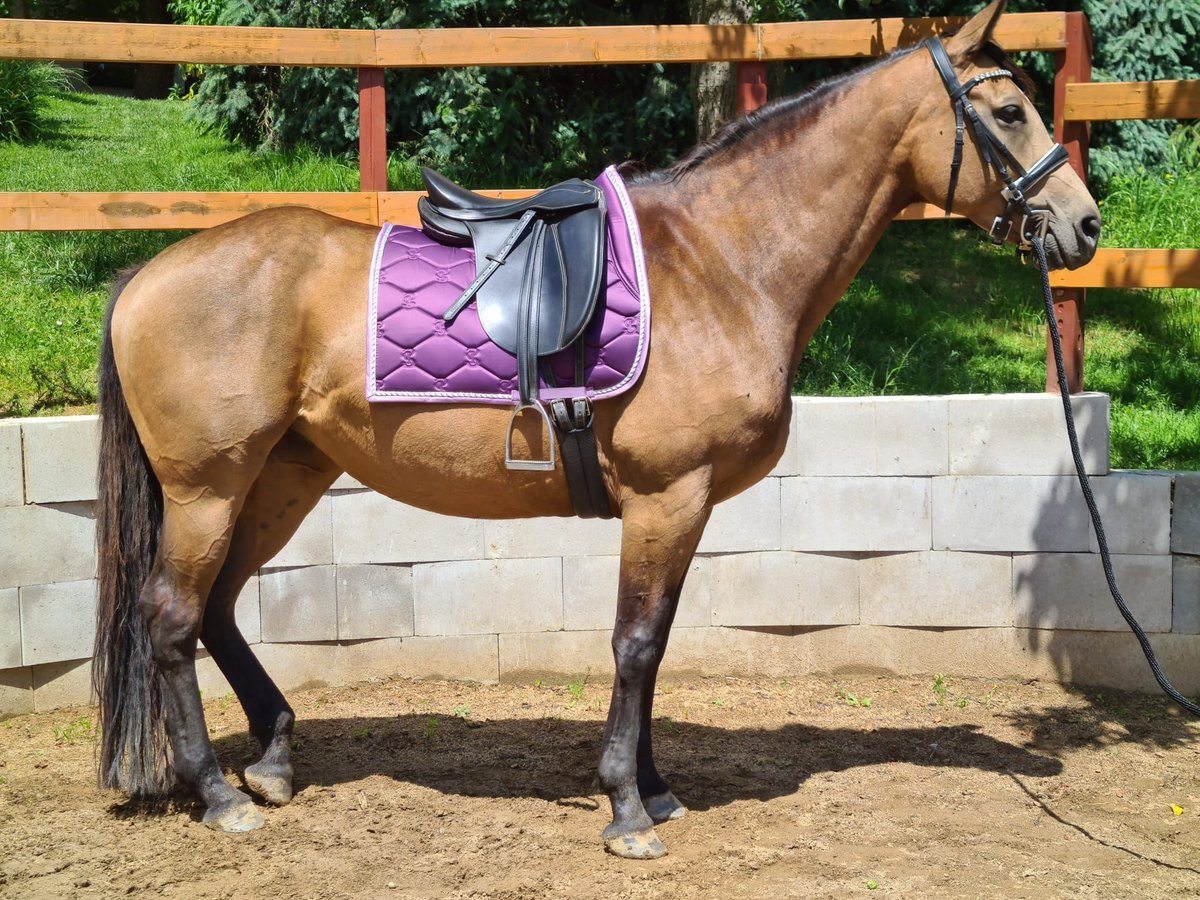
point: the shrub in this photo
(492, 126)
(23, 86)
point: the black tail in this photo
(134, 753)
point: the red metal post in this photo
(751, 86)
(1072, 65)
(372, 131)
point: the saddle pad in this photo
(414, 356)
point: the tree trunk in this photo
(19, 9)
(714, 85)
(153, 81)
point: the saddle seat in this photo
(462, 204)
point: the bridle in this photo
(995, 154)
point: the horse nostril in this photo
(1091, 227)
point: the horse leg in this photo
(195, 535)
(293, 479)
(659, 537)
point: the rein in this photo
(1032, 237)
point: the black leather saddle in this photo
(540, 271)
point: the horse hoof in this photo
(639, 845)
(664, 807)
(273, 783)
(234, 818)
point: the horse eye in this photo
(1011, 114)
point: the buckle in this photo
(529, 465)
(577, 418)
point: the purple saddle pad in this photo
(414, 356)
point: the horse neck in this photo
(783, 220)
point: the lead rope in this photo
(1085, 484)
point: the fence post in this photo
(751, 86)
(1072, 66)
(372, 131)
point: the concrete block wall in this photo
(909, 534)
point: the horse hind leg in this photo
(195, 535)
(291, 483)
(659, 537)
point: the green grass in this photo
(935, 310)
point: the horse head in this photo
(1003, 136)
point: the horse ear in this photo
(963, 46)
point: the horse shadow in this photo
(555, 759)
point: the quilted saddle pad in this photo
(414, 356)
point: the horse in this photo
(231, 398)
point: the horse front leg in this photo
(659, 537)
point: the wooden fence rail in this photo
(1076, 101)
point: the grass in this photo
(935, 310)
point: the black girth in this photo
(995, 153)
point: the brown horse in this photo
(232, 397)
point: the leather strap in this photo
(581, 459)
(529, 310)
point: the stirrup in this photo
(529, 465)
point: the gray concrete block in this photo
(772, 653)
(312, 544)
(911, 435)
(1185, 595)
(883, 650)
(590, 593)
(1185, 514)
(1069, 591)
(246, 613)
(1114, 659)
(783, 589)
(1135, 508)
(44, 544)
(857, 514)
(835, 436)
(346, 483)
(1025, 434)
(488, 596)
(370, 528)
(374, 602)
(551, 536)
(58, 622)
(554, 655)
(10, 629)
(939, 589)
(298, 605)
(12, 478)
(748, 521)
(464, 657)
(789, 462)
(60, 684)
(16, 692)
(60, 458)
(1009, 513)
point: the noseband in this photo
(995, 153)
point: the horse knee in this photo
(636, 651)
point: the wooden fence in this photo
(1067, 35)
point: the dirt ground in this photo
(813, 787)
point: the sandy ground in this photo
(813, 787)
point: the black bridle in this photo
(995, 153)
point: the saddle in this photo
(540, 272)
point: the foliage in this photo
(196, 12)
(493, 126)
(24, 87)
(1140, 40)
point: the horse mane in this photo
(796, 109)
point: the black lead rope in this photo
(1085, 484)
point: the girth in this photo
(540, 272)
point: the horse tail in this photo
(134, 752)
